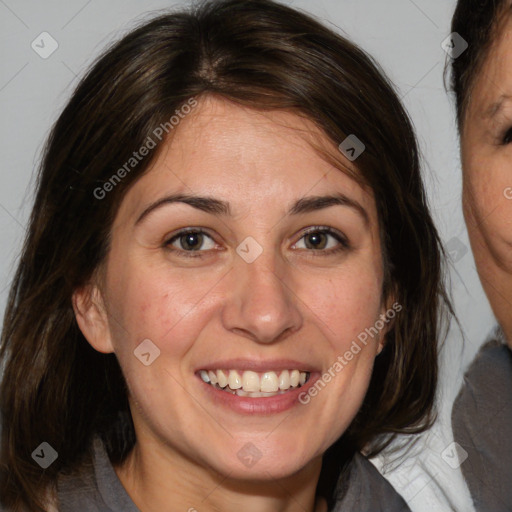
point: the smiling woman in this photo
(274, 244)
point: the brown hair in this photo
(478, 22)
(256, 53)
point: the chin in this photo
(252, 465)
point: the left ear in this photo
(387, 317)
(92, 318)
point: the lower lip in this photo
(259, 405)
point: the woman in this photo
(481, 78)
(230, 286)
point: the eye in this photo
(191, 240)
(507, 138)
(322, 239)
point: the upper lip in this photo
(256, 365)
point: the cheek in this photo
(348, 309)
(488, 206)
(169, 307)
(487, 180)
(346, 303)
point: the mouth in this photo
(253, 384)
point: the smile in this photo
(253, 384)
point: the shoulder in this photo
(80, 491)
(96, 488)
(487, 384)
(366, 490)
(482, 422)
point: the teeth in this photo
(234, 380)
(213, 377)
(284, 380)
(222, 379)
(255, 394)
(269, 382)
(252, 384)
(294, 378)
(251, 381)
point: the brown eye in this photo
(323, 240)
(316, 240)
(191, 241)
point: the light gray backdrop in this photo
(404, 36)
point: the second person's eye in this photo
(507, 138)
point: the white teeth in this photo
(222, 379)
(213, 377)
(269, 382)
(256, 394)
(234, 380)
(252, 384)
(251, 381)
(284, 380)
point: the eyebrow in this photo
(218, 207)
(314, 203)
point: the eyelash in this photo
(339, 237)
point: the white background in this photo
(404, 36)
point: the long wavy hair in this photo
(259, 54)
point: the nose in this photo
(260, 305)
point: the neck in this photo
(160, 479)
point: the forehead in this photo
(492, 90)
(243, 155)
(221, 131)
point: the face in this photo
(486, 148)
(251, 264)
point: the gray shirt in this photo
(100, 490)
(482, 425)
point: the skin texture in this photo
(291, 302)
(486, 152)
